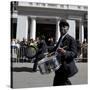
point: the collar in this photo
(62, 37)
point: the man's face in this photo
(64, 30)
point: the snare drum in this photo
(48, 64)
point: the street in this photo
(23, 77)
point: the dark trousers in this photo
(61, 78)
(61, 81)
(38, 58)
(35, 64)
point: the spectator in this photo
(23, 45)
(84, 50)
(78, 48)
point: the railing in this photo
(81, 59)
(19, 54)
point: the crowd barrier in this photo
(20, 54)
(27, 54)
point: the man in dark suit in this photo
(66, 52)
(42, 49)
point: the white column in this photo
(81, 31)
(22, 27)
(33, 28)
(57, 30)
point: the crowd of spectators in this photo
(42, 46)
(19, 47)
(82, 49)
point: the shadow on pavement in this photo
(22, 69)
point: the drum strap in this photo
(60, 41)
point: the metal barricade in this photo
(21, 54)
(14, 53)
(17, 54)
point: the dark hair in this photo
(63, 22)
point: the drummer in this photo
(67, 54)
(42, 49)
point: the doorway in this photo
(47, 30)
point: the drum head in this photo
(31, 51)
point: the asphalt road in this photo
(23, 77)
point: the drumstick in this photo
(64, 47)
(50, 54)
(54, 52)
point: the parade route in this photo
(23, 77)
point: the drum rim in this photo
(42, 61)
(47, 59)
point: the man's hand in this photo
(61, 50)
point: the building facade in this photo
(30, 20)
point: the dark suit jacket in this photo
(42, 48)
(71, 49)
(67, 60)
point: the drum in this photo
(48, 64)
(31, 51)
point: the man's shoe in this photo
(34, 70)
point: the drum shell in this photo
(48, 64)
